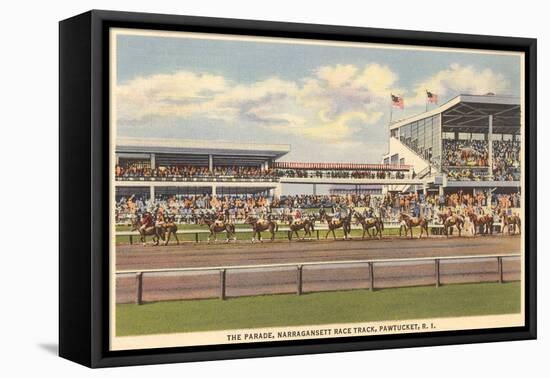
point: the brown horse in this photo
(305, 224)
(510, 220)
(218, 226)
(451, 221)
(409, 222)
(149, 230)
(260, 225)
(486, 221)
(168, 229)
(369, 223)
(333, 224)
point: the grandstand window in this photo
(386, 160)
(448, 135)
(421, 130)
(428, 132)
(402, 161)
(394, 159)
(478, 136)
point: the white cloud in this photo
(459, 79)
(333, 103)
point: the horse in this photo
(306, 224)
(260, 225)
(170, 228)
(510, 220)
(218, 226)
(409, 222)
(333, 224)
(453, 220)
(369, 223)
(486, 221)
(149, 230)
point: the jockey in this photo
(146, 221)
(160, 218)
(297, 214)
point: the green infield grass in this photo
(318, 308)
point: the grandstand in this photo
(151, 167)
(471, 143)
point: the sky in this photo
(330, 103)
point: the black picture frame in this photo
(83, 181)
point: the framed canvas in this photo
(234, 188)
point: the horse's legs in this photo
(333, 234)
(176, 236)
(328, 232)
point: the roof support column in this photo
(153, 161)
(490, 143)
(152, 193)
(210, 163)
(214, 190)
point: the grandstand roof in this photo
(469, 113)
(230, 151)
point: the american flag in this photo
(432, 97)
(397, 101)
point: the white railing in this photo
(139, 273)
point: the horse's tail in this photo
(276, 227)
(312, 225)
(381, 223)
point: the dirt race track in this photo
(171, 286)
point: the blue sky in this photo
(331, 103)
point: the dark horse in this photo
(510, 220)
(333, 224)
(369, 223)
(168, 229)
(409, 222)
(482, 220)
(150, 229)
(305, 224)
(218, 226)
(260, 225)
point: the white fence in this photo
(222, 270)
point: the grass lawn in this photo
(318, 308)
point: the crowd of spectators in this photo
(471, 153)
(304, 173)
(469, 160)
(191, 171)
(236, 208)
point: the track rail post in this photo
(222, 284)
(196, 237)
(371, 276)
(139, 288)
(500, 272)
(299, 280)
(437, 273)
